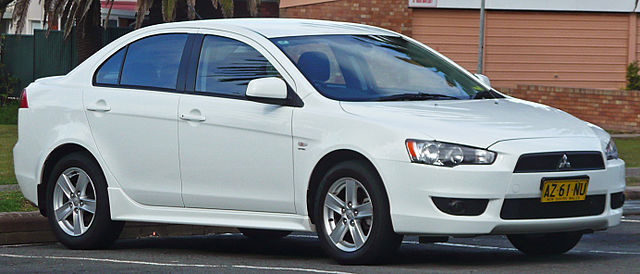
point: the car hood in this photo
(478, 123)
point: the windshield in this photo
(378, 68)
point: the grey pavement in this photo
(615, 250)
(631, 207)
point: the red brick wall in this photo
(390, 14)
(617, 110)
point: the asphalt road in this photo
(615, 250)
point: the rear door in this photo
(131, 109)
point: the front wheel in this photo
(78, 205)
(545, 244)
(352, 215)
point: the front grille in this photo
(532, 208)
(559, 161)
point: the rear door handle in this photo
(192, 117)
(100, 106)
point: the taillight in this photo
(23, 99)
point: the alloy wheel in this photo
(74, 201)
(348, 214)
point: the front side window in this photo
(378, 68)
(154, 61)
(226, 66)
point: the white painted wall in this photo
(34, 17)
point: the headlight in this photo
(445, 154)
(611, 151)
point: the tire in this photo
(376, 240)
(262, 234)
(545, 244)
(94, 230)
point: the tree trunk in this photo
(155, 14)
(204, 8)
(206, 11)
(89, 33)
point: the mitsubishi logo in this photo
(564, 162)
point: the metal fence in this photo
(29, 57)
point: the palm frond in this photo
(54, 10)
(87, 6)
(106, 20)
(19, 16)
(168, 10)
(191, 9)
(69, 18)
(225, 5)
(70, 11)
(143, 7)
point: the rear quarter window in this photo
(109, 71)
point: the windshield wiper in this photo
(487, 94)
(417, 97)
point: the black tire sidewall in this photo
(103, 231)
(382, 240)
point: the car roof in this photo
(283, 27)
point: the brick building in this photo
(582, 45)
(569, 43)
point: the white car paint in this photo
(257, 159)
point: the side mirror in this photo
(269, 90)
(483, 78)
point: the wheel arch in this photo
(52, 158)
(324, 164)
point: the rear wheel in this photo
(545, 244)
(352, 215)
(262, 234)
(78, 205)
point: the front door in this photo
(234, 153)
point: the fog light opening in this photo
(461, 207)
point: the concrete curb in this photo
(31, 227)
(9, 188)
(632, 172)
(625, 135)
(632, 192)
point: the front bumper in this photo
(411, 187)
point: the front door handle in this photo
(192, 117)
(100, 106)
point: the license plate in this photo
(564, 190)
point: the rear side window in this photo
(110, 69)
(226, 66)
(154, 61)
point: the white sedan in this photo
(277, 125)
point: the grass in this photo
(629, 150)
(8, 137)
(11, 201)
(9, 113)
(633, 181)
